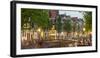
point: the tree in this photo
(39, 17)
(67, 26)
(88, 21)
(58, 24)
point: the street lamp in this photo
(83, 29)
(39, 30)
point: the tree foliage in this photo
(88, 21)
(68, 26)
(58, 24)
(40, 17)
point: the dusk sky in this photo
(72, 13)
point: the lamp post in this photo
(84, 31)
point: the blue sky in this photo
(72, 13)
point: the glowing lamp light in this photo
(39, 30)
(83, 29)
